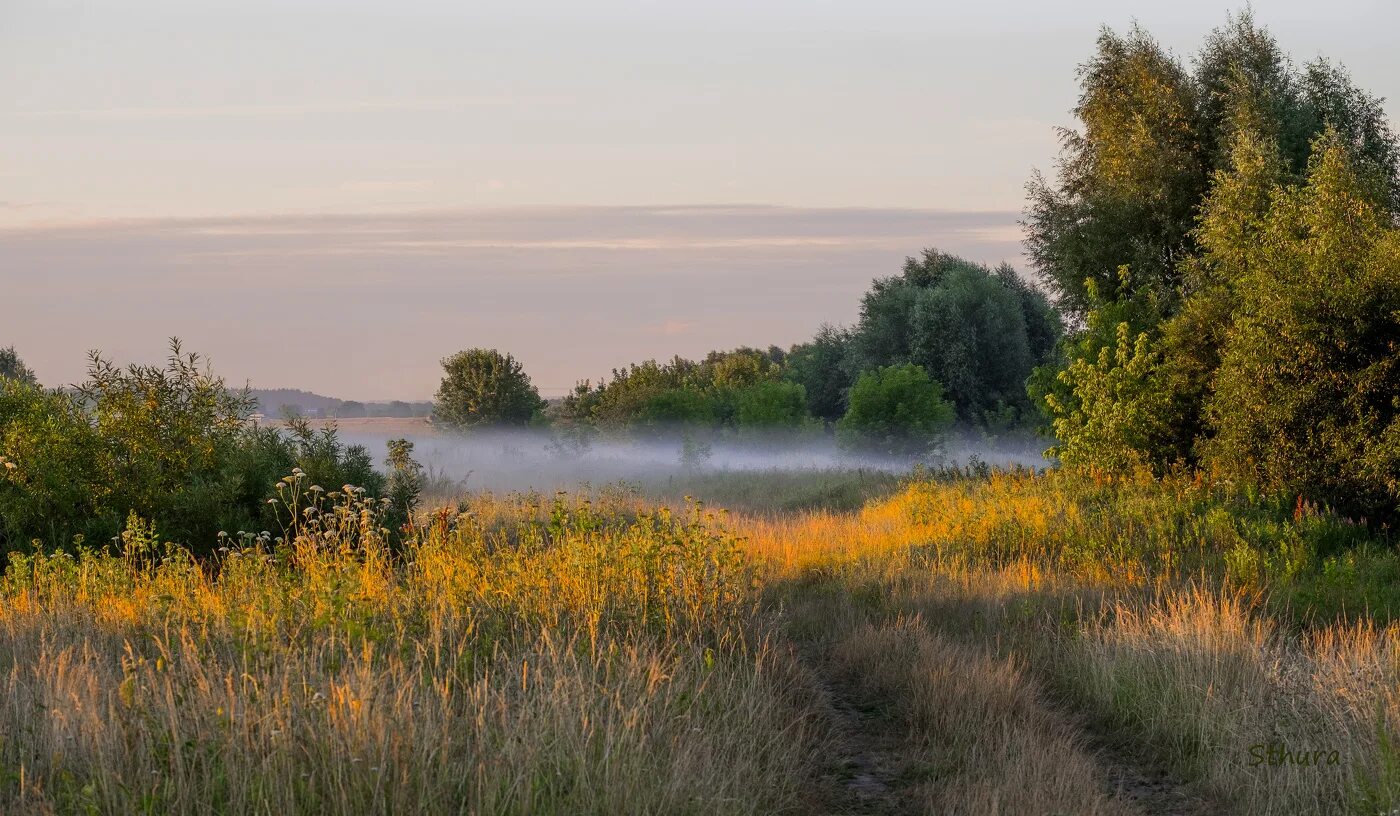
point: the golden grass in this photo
(577, 656)
(571, 660)
(1186, 668)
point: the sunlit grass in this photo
(601, 654)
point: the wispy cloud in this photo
(350, 106)
(572, 291)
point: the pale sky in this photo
(583, 184)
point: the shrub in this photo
(773, 404)
(897, 410)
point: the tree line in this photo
(945, 340)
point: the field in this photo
(964, 642)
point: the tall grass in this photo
(991, 643)
(524, 657)
(1126, 603)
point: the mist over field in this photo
(521, 460)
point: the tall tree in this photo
(13, 367)
(1307, 396)
(1129, 180)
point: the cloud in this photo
(279, 110)
(364, 306)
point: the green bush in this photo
(896, 410)
(770, 405)
(171, 444)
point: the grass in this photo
(991, 643)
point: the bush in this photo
(170, 444)
(898, 410)
(773, 404)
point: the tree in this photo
(1116, 415)
(977, 331)
(482, 387)
(52, 463)
(405, 483)
(772, 405)
(896, 410)
(1157, 220)
(1129, 180)
(13, 367)
(1307, 395)
(819, 366)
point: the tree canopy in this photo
(483, 387)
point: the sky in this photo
(335, 195)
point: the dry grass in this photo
(568, 656)
(1153, 641)
(521, 659)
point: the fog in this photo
(539, 460)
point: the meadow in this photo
(964, 641)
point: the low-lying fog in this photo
(539, 460)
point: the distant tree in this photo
(676, 406)
(897, 410)
(819, 366)
(350, 409)
(13, 367)
(771, 405)
(482, 387)
(977, 331)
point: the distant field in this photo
(388, 427)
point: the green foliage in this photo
(1247, 207)
(12, 367)
(325, 460)
(482, 387)
(771, 404)
(819, 366)
(1133, 178)
(977, 331)
(405, 484)
(651, 395)
(51, 462)
(170, 444)
(897, 410)
(676, 406)
(1307, 396)
(166, 433)
(1129, 182)
(1113, 412)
